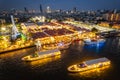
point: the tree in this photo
(94, 30)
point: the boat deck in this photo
(48, 51)
(90, 62)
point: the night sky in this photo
(60, 4)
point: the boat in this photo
(94, 41)
(59, 46)
(88, 65)
(41, 55)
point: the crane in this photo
(15, 31)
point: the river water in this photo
(55, 68)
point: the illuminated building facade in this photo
(112, 16)
(48, 9)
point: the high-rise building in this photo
(106, 16)
(26, 10)
(74, 9)
(112, 16)
(48, 9)
(41, 10)
(115, 11)
(13, 11)
(117, 17)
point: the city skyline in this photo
(60, 4)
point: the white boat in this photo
(88, 65)
(59, 46)
(97, 41)
(41, 55)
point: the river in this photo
(55, 68)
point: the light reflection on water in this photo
(98, 72)
(16, 53)
(55, 68)
(97, 48)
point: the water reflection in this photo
(113, 46)
(97, 48)
(98, 72)
(55, 68)
(78, 45)
(16, 53)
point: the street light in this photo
(3, 28)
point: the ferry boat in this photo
(59, 46)
(94, 41)
(41, 55)
(88, 65)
